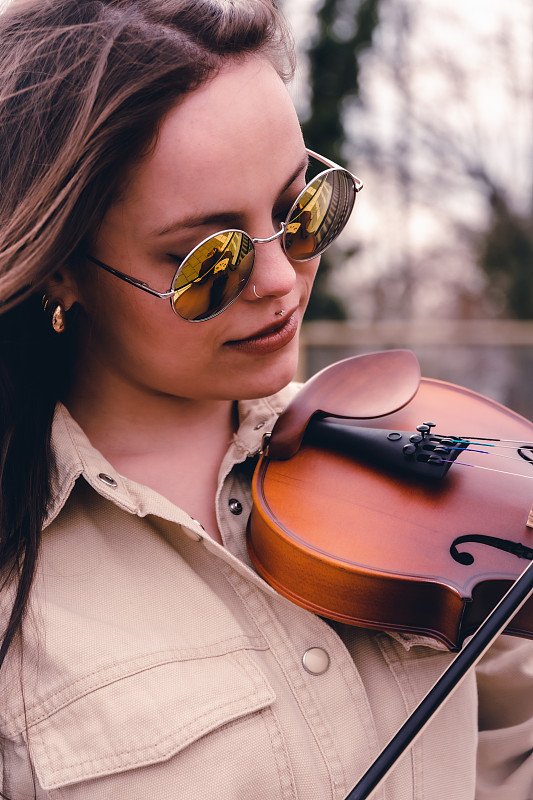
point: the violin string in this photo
(486, 453)
(487, 443)
(484, 439)
(501, 455)
(500, 446)
(489, 469)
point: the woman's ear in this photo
(61, 286)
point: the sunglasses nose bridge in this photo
(272, 238)
(274, 274)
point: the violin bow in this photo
(449, 681)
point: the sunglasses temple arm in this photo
(130, 280)
(332, 165)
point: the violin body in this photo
(362, 541)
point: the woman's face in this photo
(230, 155)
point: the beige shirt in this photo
(157, 665)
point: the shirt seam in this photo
(250, 589)
(24, 720)
(146, 754)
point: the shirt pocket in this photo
(139, 724)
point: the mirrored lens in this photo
(319, 214)
(213, 275)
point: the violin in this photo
(393, 502)
(366, 515)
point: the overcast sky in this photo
(469, 81)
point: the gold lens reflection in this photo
(213, 275)
(320, 214)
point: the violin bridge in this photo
(529, 522)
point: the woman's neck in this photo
(172, 444)
(122, 418)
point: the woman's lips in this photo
(268, 339)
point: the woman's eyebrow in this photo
(302, 167)
(224, 218)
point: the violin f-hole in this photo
(516, 548)
(526, 453)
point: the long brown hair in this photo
(83, 87)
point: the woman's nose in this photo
(273, 274)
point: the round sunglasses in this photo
(215, 272)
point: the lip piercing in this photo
(259, 296)
(280, 313)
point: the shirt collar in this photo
(75, 456)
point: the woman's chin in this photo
(269, 379)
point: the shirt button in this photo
(108, 480)
(315, 661)
(194, 535)
(235, 506)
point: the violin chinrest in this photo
(362, 387)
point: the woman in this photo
(142, 656)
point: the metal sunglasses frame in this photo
(358, 185)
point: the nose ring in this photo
(259, 296)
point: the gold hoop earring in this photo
(56, 311)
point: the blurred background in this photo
(431, 104)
